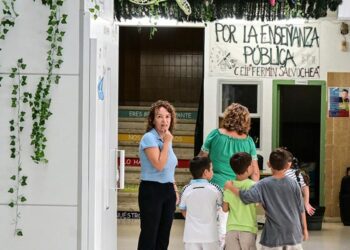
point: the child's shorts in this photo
(202, 246)
(240, 240)
(287, 247)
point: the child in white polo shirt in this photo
(199, 202)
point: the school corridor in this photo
(333, 236)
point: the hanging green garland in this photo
(210, 10)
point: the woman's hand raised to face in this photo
(167, 137)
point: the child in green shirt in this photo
(241, 223)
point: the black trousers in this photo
(157, 202)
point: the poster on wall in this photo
(264, 50)
(338, 102)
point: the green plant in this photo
(7, 20)
(41, 102)
(9, 16)
(95, 9)
(19, 98)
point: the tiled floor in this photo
(333, 236)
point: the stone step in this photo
(180, 152)
(128, 201)
(132, 176)
(139, 113)
(140, 127)
(123, 143)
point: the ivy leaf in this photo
(21, 128)
(20, 61)
(23, 199)
(12, 128)
(49, 31)
(11, 204)
(11, 190)
(19, 232)
(64, 17)
(13, 177)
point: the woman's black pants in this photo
(157, 202)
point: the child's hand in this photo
(306, 234)
(177, 198)
(228, 185)
(309, 209)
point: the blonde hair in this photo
(154, 107)
(236, 118)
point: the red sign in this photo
(135, 162)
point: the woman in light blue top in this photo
(158, 193)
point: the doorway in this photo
(169, 66)
(298, 124)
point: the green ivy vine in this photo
(41, 102)
(19, 98)
(95, 9)
(8, 19)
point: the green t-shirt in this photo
(241, 217)
(220, 148)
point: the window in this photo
(247, 94)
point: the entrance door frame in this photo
(276, 122)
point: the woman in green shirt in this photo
(224, 142)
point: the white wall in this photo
(49, 217)
(332, 59)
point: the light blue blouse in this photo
(148, 171)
